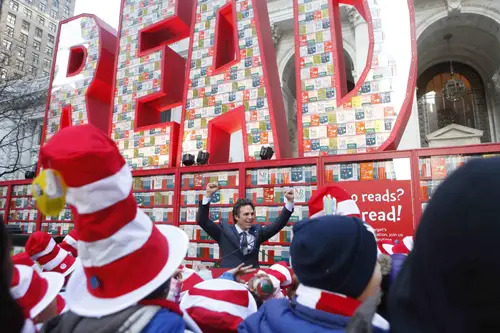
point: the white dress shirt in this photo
(250, 237)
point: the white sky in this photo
(107, 10)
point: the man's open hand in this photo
(211, 189)
(290, 196)
(241, 270)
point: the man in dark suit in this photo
(240, 243)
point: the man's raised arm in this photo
(272, 229)
(203, 218)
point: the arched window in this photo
(436, 112)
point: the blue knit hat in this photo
(334, 253)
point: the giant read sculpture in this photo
(157, 106)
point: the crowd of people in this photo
(119, 272)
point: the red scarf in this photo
(326, 301)
(166, 304)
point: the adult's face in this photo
(246, 217)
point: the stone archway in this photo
(434, 112)
(476, 46)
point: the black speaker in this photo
(188, 159)
(29, 175)
(202, 157)
(266, 153)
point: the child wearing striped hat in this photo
(42, 248)
(125, 262)
(219, 305)
(335, 260)
(23, 258)
(37, 293)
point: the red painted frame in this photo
(237, 52)
(405, 112)
(320, 162)
(271, 82)
(226, 124)
(104, 44)
(180, 17)
(72, 53)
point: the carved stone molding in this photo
(277, 34)
(354, 17)
(454, 7)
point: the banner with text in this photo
(386, 205)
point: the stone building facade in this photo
(28, 32)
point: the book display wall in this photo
(59, 225)
(155, 196)
(266, 188)
(22, 210)
(202, 248)
(434, 169)
(356, 171)
(4, 190)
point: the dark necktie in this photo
(244, 243)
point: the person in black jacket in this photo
(11, 314)
(240, 243)
(450, 280)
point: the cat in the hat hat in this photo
(219, 305)
(37, 293)
(122, 277)
(69, 243)
(42, 248)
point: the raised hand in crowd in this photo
(211, 189)
(241, 270)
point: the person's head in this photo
(261, 288)
(449, 281)
(244, 213)
(336, 254)
(219, 305)
(36, 293)
(42, 248)
(122, 256)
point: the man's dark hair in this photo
(240, 203)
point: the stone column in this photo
(291, 116)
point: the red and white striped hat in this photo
(42, 248)
(69, 243)
(401, 247)
(189, 278)
(218, 305)
(33, 291)
(344, 203)
(280, 274)
(124, 256)
(24, 259)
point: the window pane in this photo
(11, 18)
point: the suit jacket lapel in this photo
(231, 233)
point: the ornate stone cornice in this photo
(454, 7)
(276, 33)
